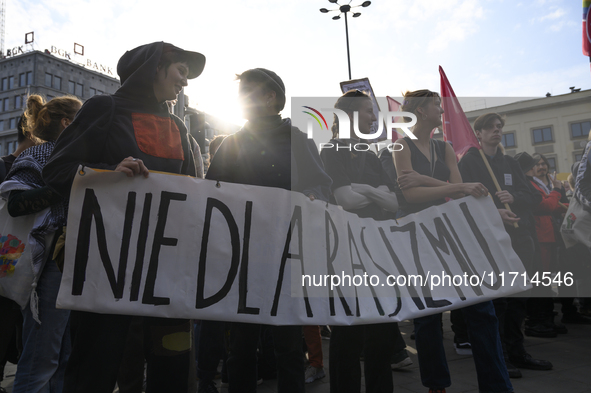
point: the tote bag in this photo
(576, 226)
(17, 276)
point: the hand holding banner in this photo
(175, 246)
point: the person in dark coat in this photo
(516, 192)
(131, 131)
(268, 151)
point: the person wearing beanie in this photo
(131, 131)
(268, 151)
(516, 192)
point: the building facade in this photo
(37, 72)
(555, 126)
(50, 75)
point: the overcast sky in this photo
(487, 47)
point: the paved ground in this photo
(570, 353)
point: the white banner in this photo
(175, 246)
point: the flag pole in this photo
(494, 179)
(464, 139)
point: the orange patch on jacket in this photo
(157, 136)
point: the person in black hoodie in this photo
(268, 151)
(132, 132)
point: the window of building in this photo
(11, 147)
(57, 83)
(92, 91)
(22, 79)
(11, 80)
(12, 124)
(49, 97)
(99, 92)
(18, 102)
(542, 135)
(1, 127)
(5, 105)
(79, 89)
(578, 156)
(29, 78)
(580, 129)
(508, 140)
(552, 162)
(71, 87)
(48, 79)
(4, 84)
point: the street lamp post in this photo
(345, 9)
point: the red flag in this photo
(456, 127)
(394, 106)
(586, 28)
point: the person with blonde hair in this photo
(436, 160)
(24, 141)
(46, 341)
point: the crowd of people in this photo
(134, 132)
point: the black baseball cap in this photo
(195, 60)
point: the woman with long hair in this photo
(436, 160)
(542, 175)
(46, 343)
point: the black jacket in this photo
(130, 122)
(276, 156)
(510, 177)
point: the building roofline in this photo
(63, 61)
(534, 104)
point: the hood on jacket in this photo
(137, 68)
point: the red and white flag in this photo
(456, 127)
